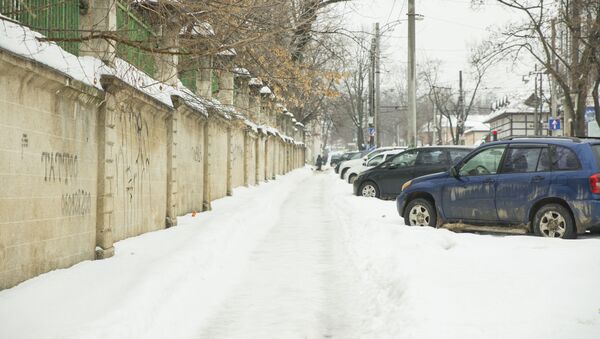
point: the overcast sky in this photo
(447, 31)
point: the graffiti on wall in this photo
(76, 203)
(197, 154)
(132, 177)
(61, 167)
(24, 143)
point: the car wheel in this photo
(352, 177)
(420, 212)
(343, 173)
(554, 221)
(369, 190)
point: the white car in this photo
(353, 172)
(344, 166)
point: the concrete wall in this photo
(261, 159)
(48, 170)
(218, 150)
(190, 163)
(251, 160)
(140, 158)
(83, 167)
(238, 151)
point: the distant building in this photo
(475, 130)
(515, 116)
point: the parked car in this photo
(349, 156)
(344, 166)
(386, 179)
(353, 172)
(548, 186)
(335, 159)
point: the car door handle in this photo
(537, 178)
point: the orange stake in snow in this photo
(193, 214)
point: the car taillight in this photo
(595, 183)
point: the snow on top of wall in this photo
(239, 71)
(228, 52)
(255, 82)
(198, 29)
(265, 90)
(22, 41)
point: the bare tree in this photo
(575, 68)
(454, 105)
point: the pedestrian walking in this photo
(319, 162)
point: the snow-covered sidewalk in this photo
(300, 257)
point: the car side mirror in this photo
(392, 166)
(454, 171)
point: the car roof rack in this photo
(513, 137)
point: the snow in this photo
(239, 71)
(318, 262)
(265, 90)
(255, 82)
(22, 41)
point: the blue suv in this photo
(549, 186)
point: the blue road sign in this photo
(371, 131)
(553, 124)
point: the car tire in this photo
(352, 177)
(554, 221)
(343, 173)
(420, 212)
(369, 190)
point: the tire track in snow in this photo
(298, 283)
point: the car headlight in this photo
(406, 185)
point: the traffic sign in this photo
(372, 131)
(553, 124)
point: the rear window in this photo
(596, 149)
(564, 159)
(457, 154)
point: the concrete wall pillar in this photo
(225, 64)
(100, 17)
(229, 161)
(107, 136)
(204, 76)
(241, 99)
(166, 63)
(254, 101)
(208, 137)
(172, 141)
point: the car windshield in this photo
(376, 160)
(356, 155)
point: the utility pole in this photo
(377, 88)
(553, 89)
(434, 141)
(412, 80)
(535, 111)
(461, 107)
(371, 118)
